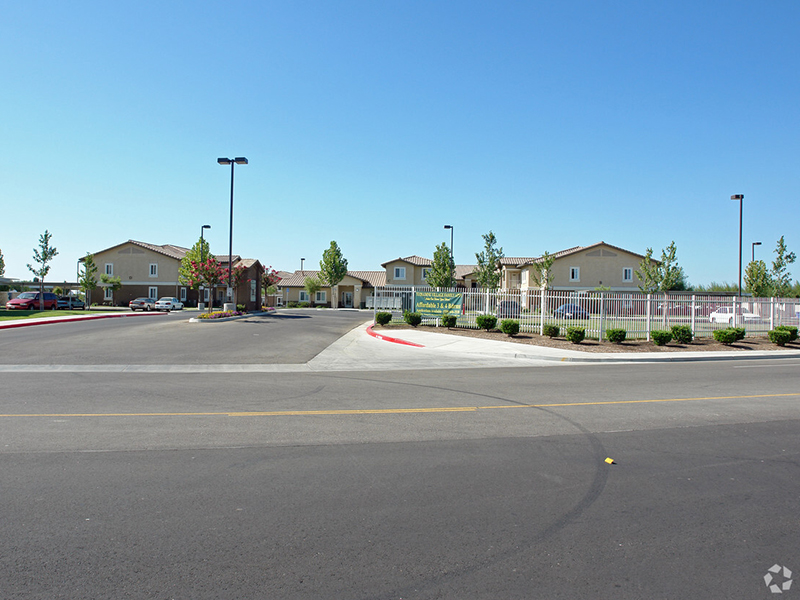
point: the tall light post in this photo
(239, 160)
(739, 197)
(202, 244)
(753, 256)
(450, 227)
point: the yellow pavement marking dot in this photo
(610, 461)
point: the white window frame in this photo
(153, 269)
(574, 273)
(152, 292)
(108, 293)
(183, 294)
(400, 273)
(252, 290)
(304, 297)
(425, 272)
(110, 269)
(627, 274)
(322, 297)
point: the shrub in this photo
(779, 336)
(551, 331)
(661, 337)
(616, 336)
(303, 304)
(449, 320)
(740, 333)
(510, 327)
(726, 336)
(486, 322)
(682, 334)
(791, 329)
(240, 307)
(412, 318)
(382, 318)
(576, 334)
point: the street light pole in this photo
(239, 160)
(450, 227)
(202, 259)
(739, 197)
(753, 257)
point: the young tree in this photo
(781, 278)
(115, 283)
(488, 272)
(540, 273)
(661, 276)
(198, 254)
(269, 281)
(43, 255)
(2, 264)
(87, 278)
(312, 285)
(209, 273)
(237, 277)
(443, 270)
(332, 269)
(757, 279)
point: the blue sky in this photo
(553, 124)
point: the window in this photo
(153, 269)
(108, 294)
(183, 294)
(627, 274)
(152, 292)
(321, 297)
(425, 273)
(304, 296)
(110, 269)
(574, 273)
(399, 272)
(205, 295)
(252, 290)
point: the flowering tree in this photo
(237, 277)
(269, 279)
(209, 273)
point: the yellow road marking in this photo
(389, 411)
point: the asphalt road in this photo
(488, 483)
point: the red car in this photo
(30, 301)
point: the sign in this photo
(433, 305)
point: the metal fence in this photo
(597, 312)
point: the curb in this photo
(75, 319)
(386, 338)
(234, 318)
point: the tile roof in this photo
(298, 278)
(418, 261)
(176, 252)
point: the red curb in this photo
(73, 319)
(386, 338)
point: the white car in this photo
(168, 304)
(724, 314)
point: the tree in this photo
(540, 272)
(113, 282)
(443, 270)
(269, 280)
(661, 276)
(209, 273)
(488, 272)
(758, 280)
(2, 264)
(87, 278)
(198, 254)
(332, 269)
(236, 278)
(312, 285)
(43, 255)
(781, 279)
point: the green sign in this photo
(433, 305)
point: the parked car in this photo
(168, 304)
(508, 309)
(725, 314)
(143, 304)
(571, 311)
(69, 302)
(30, 301)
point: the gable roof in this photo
(576, 249)
(370, 278)
(417, 261)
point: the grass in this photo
(14, 315)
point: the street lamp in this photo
(450, 227)
(753, 257)
(239, 160)
(739, 197)
(202, 244)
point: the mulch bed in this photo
(533, 339)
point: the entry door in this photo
(347, 299)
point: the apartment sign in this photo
(433, 305)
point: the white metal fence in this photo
(639, 314)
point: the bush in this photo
(791, 329)
(682, 334)
(303, 304)
(576, 334)
(779, 336)
(449, 320)
(412, 318)
(740, 333)
(382, 318)
(240, 307)
(486, 322)
(510, 327)
(661, 337)
(616, 336)
(726, 336)
(551, 331)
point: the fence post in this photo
(648, 317)
(693, 309)
(772, 312)
(541, 311)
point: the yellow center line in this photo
(389, 411)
